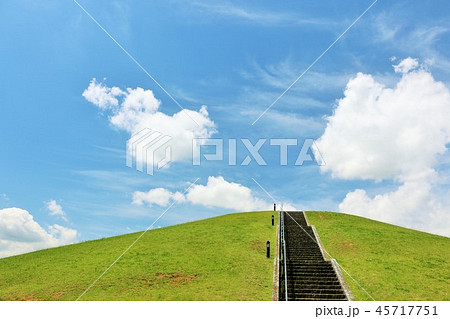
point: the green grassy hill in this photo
(223, 258)
(390, 262)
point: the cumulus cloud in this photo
(406, 65)
(217, 193)
(102, 96)
(55, 209)
(157, 196)
(223, 194)
(378, 132)
(139, 109)
(398, 133)
(20, 233)
(412, 205)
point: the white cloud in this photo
(140, 100)
(158, 196)
(223, 194)
(55, 209)
(378, 132)
(217, 193)
(20, 233)
(396, 133)
(140, 109)
(406, 65)
(62, 235)
(102, 96)
(412, 205)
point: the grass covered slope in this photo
(390, 262)
(221, 258)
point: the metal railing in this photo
(283, 268)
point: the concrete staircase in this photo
(308, 275)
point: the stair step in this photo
(324, 284)
(299, 296)
(301, 265)
(318, 299)
(293, 270)
(318, 283)
(312, 277)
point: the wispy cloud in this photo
(121, 180)
(281, 74)
(302, 109)
(423, 40)
(4, 197)
(258, 16)
(291, 123)
(113, 179)
(111, 151)
(56, 210)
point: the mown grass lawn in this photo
(390, 262)
(221, 258)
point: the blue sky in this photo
(235, 57)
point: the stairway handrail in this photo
(284, 256)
